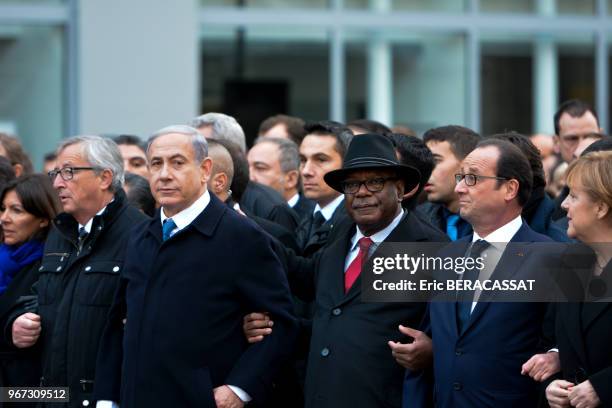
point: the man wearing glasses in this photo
(350, 362)
(80, 269)
(481, 346)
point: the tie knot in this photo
(168, 227)
(82, 232)
(364, 244)
(478, 247)
(318, 219)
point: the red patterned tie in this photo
(354, 269)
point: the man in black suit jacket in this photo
(185, 287)
(275, 162)
(321, 151)
(350, 363)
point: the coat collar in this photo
(68, 226)
(408, 230)
(510, 261)
(205, 223)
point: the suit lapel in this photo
(508, 265)
(408, 230)
(337, 253)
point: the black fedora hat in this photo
(370, 152)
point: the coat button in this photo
(457, 386)
(458, 352)
(59, 268)
(87, 268)
(85, 403)
(116, 269)
(41, 268)
(325, 352)
(337, 311)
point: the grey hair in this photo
(289, 155)
(102, 153)
(223, 127)
(199, 143)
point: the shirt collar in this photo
(293, 200)
(186, 217)
(89, 223)
(329, 209)
(503, 234)
(381, 235)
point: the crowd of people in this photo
(188, 270)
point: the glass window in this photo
(505, 6)
(407, 5)
(255, 73)
(545, 7)
(302, 4)
(576, 7)
(32, 95)
(427, 74)
(506, 85)
(21, 2)
(577, 70)
(510, 86)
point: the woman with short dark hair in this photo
(28, 205)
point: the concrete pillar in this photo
(380, 73)
(545, 75)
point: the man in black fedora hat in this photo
(350, 362)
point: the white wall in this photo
(138, 65)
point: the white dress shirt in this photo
(329, 209)
(182, 219)
(293, 200)
(377, 238)
(89, 223)
(497, 240)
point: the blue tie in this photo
(451, 227)
(168, 227)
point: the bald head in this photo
(222, 170)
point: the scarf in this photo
(13, 258)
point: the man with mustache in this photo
(350, 362)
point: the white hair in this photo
(102, 153)
(223, 127)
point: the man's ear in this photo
(291, 179)
(219, 183)
(411, 192)
(206, 167)
(107, 179)
(512, 189)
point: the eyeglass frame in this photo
(53, 173)
(462, 177)
(364, 183)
